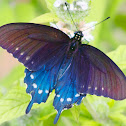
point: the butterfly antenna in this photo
(70, 15)
(98, 23)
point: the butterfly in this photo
(53, 60)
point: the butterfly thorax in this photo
(78, 36)
(74, 43)
(73, 46)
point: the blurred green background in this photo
(110, 37)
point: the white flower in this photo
(85, 28)
(87, 36)
(58, 25)
(65, 8)
(63, 27)
(75, 6)
(71, 7)
(91, 25)
(58, 3)
(83, 5)
(79, 9)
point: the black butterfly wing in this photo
(98, 74)
(33, 44)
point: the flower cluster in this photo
(75, 6)
(76, 9)
(86, 29)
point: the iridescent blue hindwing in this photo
(66, 93)
(40, 84)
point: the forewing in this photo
(33, 44)
(98, 74)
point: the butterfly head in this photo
(78, 35)
(75, 41)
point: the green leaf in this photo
(1, 94)
(119, 56)
(98, 107)
(45, 18)
(70, 1)
(50, 5)
(119, 119)
(50, 111)
(6, 15)
(120, 21)
(118, 107)
(48, 115)
(15, 76)
(39, 6)
(111, 103)
(103, 32)
(84, 111)
(24, 12)
(14, 104)
(49, 121)
(75, 110)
